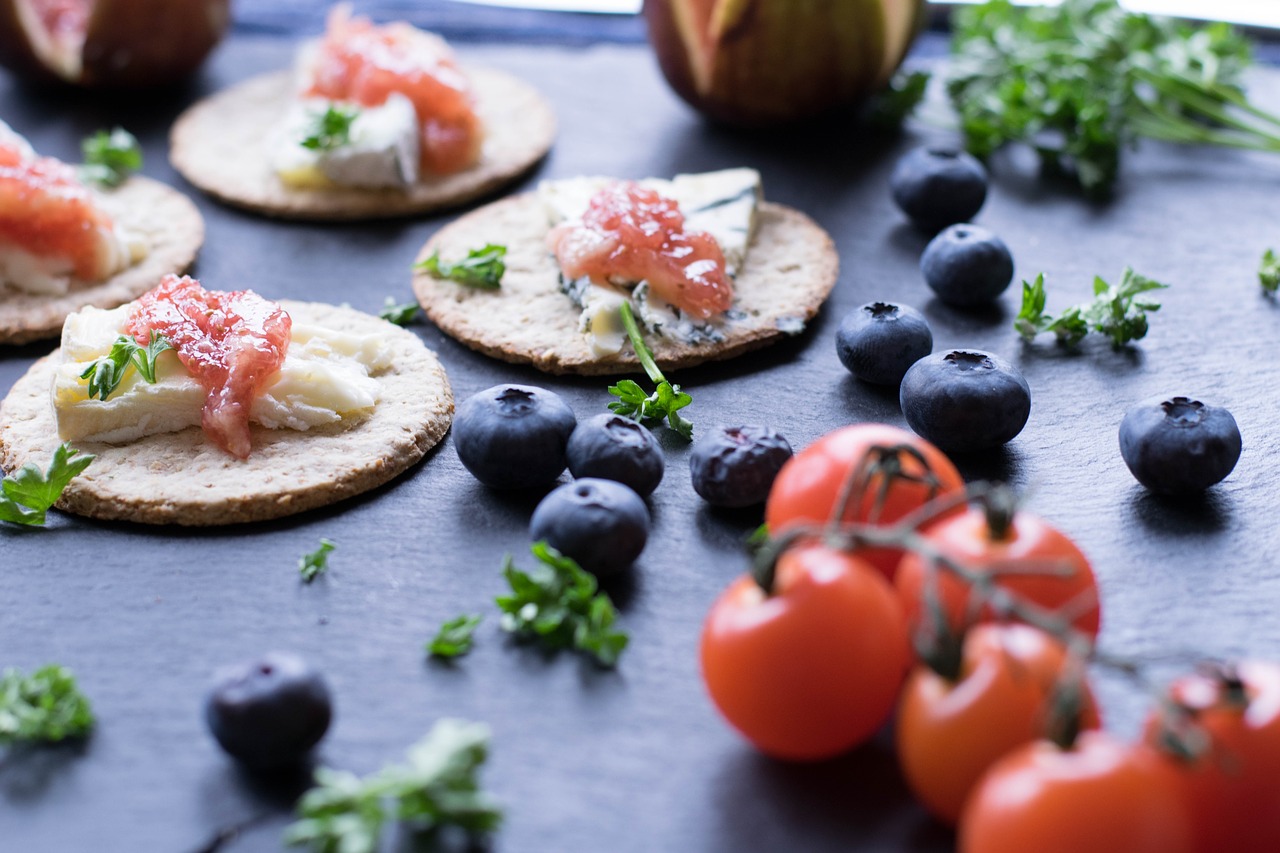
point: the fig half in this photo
(760, 62)
(109, 43)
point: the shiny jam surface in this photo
(630, 233)
(358, 61)
(45, 210)
(231, 342)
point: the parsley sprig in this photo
(110, 157)
(1269, 271)
(312, 565)
(106, 373)
(559, 605)
(45, 706)
(454, 637)
(482, 268)
(1081, 81)
(330, 129)
(437, 787)
(666, 401)
(400, 314)
(25, 497)
(1116, 311)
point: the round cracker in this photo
(219, 145)
(181, 478)
(790, 269)
(167, 222)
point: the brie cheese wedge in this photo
(382, 151)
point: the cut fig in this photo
(109, 43)
(771, 61)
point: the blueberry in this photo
(965, 400)
(938, 187)
(880, 340)
(967, 265)
(1178, 445)
(601, 524)
(268, 713)
(513, 436)
(736, 466)
(616, 448)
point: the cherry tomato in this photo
(1232, 789)
(812, 670)
(810, 484)
(1101, 796)
(968, 537)
(950, 731)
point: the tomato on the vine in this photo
(813, 669)
(1008, 690)
(1057, 573)
(1230, 778)
(811, 483)
(1100, 796)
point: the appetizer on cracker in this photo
(65, 244)
(375, 121)
(709, 269)
(210, 407)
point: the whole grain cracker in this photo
(790, 269)
(167, 222)
(181, 478)
(221, 146)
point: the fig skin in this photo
(764, 73)
(128, 44)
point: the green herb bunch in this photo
(1115, 311)
(482, 268)
(27, 495)
(45, 706)
(665, 402)
(110, 157)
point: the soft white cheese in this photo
(382, 152)
(327, 376)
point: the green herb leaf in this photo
(106, 374)
(454, 637)
(482, 268)
(1269, 272)
(330, 129)
(110, 157)
(1116, 311)
(400, 314)
(666, 401)
(559, 605)
(26, 496)
(312, 565)
(45, 706)
(437, 787)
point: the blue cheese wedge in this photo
(382, 152)
(327, 377)
(724, 204)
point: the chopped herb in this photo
(666, 401)
(454, 637)
(893, 106)
(330, 129)
(312, 565)
(45, 706)
(110, 157)
(437, 787)
(1115, 311)
(401, 315)
(1081, 81)
(1269, 271)
(106, 374)
(559, 605)
(482, 268)
(26, 496)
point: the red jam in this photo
(233, 343)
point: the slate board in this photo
(637, 759)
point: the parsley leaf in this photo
(44, 706)
(1269, 272)
(1116, 311)
(666, 401)
(437, 787)
(401, 315)
(482, 268)
(330, 129)
(106, 374)
(26, 496)
(454, 637)
(110, 157)
(559, 605)
(312, 565)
